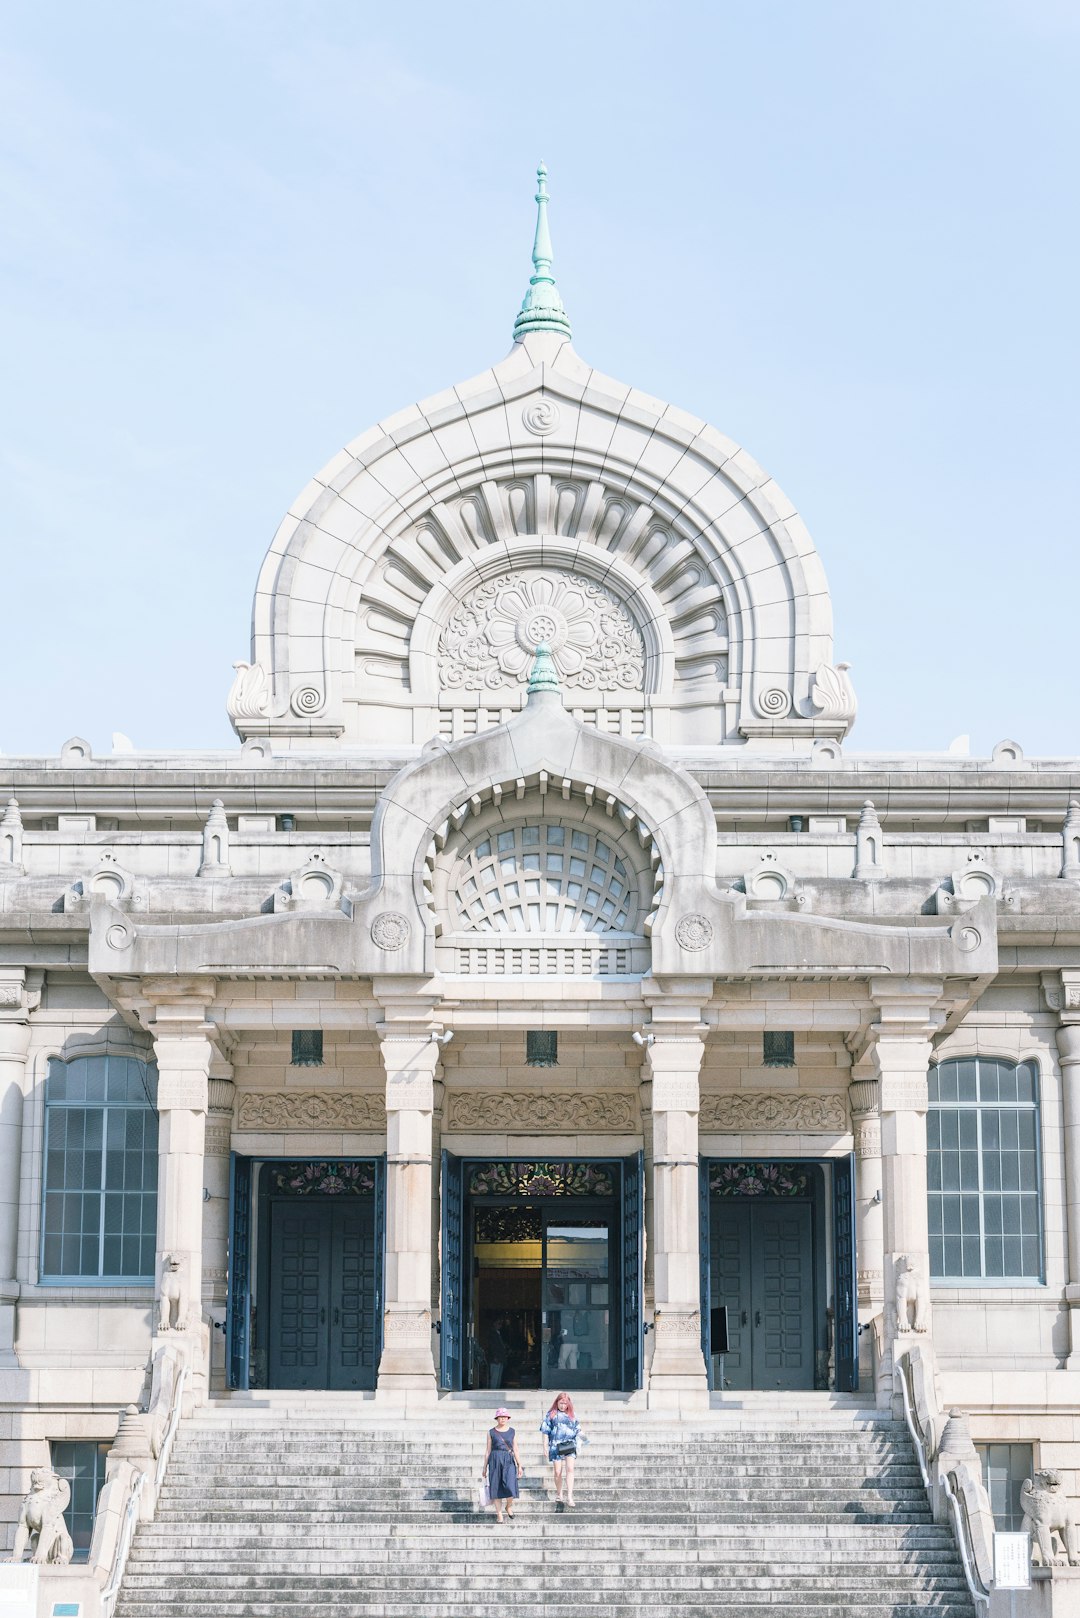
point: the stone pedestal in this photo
(183, 1054)
(407, 1367)
(678, 1377)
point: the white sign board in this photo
(18, 1590)
(1012, 1561)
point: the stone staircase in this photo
(289, 1506)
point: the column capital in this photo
(672, 1065)
(20, 992)
(1061, 991)
(410, 1060)
(183, 1052)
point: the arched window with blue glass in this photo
(984, 1176)
(100, 1183)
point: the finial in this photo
(544, 676)
(542, 309)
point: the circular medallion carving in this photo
(307, 699)
(774, 703)
(541, 417)
(694, 932)
(119, 936)
(390, 930)
(969, 939)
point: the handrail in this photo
(962, 1529)
(123, 1545)
(170, 1431)
(131, 1512)
(913, 1425)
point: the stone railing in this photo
(951, 1471)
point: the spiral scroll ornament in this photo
(306, 700)
(541, 417)
(774, 703)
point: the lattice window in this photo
(546, 878)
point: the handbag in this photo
(483, 1493)
(566, 1446)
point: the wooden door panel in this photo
(730, 1287)
(783, 1355)
(352, 1296)
(299, 1294)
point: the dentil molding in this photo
(762, 1109)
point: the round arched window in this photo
(547, 878)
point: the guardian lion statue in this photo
(41, 1520)
(1049, 1517)
(912, 1296)
(173, 1294)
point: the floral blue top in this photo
(560, 1429)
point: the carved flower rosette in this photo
(491, 639)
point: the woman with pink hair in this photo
(563, 1432)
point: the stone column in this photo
(864, 1095)
(900, 1051)
(216, 1210)
(407, 1367)
(678, 1377)
(1062, 990)
(16, 1002)
(183, 1053)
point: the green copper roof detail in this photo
(542, 309)
(544, 676)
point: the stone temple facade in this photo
(542, 992)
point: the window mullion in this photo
(982, 1189)
(101, 1205)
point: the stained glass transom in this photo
(546, 878)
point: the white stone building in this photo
(541, 991)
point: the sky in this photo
(236, 233)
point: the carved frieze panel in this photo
(491, 639)
(540, 1109)
(799, 1113)
(282, 1109)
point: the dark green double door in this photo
(761, 1262)
(323, 1325)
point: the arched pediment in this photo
(686, 597)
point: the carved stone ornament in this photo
(912, 1295)
(678, 1327)
(1048, 1517)
(694, 932)
(761, 1109)
(306, 700)
(390, 930)
(250, 694)
(41, 1528)
(407, 1325)
(11, 996)
(173, 1305)
(774, 703)
(541, 416)
(108, 880)
(832, 695)
(281, 1109)
(540, 1109)
(490, 641)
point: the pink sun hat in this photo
(502, 1411)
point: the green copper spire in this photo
(543, 308)
(544, 676)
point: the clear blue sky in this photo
(237, 233)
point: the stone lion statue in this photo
(1049, 1517)
(173, 1294)
(912, 1296)
(41, 1523)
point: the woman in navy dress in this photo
(502, 1464)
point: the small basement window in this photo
(541, 1049)
(778, 1049)
(307, 1047)
(83, 1464)
(1005, 1466)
